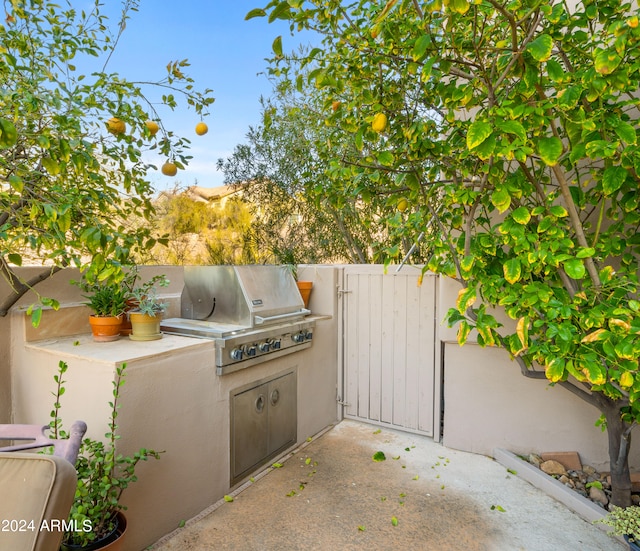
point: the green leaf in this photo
(478, 132)
(558, 211)
(459, 6)
(569, 97)
(277, 46)
(228, 498)
(8, 134)
(512, 270)
(612, 179)
(463, 332)
(595, 372)
(550, 150)
(466, 298)
(586, 252)
(386, 158)
(626, 132)
(555, 70)
(51, 166)
(501, 199)
(607, 61)
(420, 47)
(16, 183)
(575, 268)
(554, 371)
(379, 456)
(541, 47)
(281, 11)
(486, 148)
(513, 127)
(15, 258)
(394, 521)
(521, 215)
(257, 12)
(467, 263)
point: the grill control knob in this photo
(250, 350)
(308, 335)
(236, 354)
(275, 345)
(264, 347)
(298, 338)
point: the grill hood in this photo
(241, 296)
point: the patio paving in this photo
(331, 494)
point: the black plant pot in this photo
(633, 545)
(103, 542)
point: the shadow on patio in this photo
(330, 494)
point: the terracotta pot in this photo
(105, 328)
(111, 542)
(144, 327)
(305, 291)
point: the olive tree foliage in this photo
(283, 171)
(199, 232)
(67, 183)
(513, 131)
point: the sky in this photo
(227, 54)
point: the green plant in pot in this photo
(108, 303)
(145, 317)
(96, 519)
(624, 522)
(288, 258)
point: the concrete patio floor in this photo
(331, 494)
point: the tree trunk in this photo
(619, 435)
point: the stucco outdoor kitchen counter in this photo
(122, 350)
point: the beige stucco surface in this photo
(489, 404)
(172, 401)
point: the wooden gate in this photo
(389, 353)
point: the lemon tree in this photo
(73, 138)
(513, 132)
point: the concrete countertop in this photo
(122, 350)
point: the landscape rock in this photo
(534, 459)
(598, 496)
(587, 482)
(552, 467)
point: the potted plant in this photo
(108, 301)
(145, 317)
(96, 520)
(625, 522)
(288, 258)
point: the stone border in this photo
(580, 505)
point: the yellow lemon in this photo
(379, 122)
(335, 105)
(116, 126)
(402, 205)
(153, 127)
(169, 169)
(201, 129)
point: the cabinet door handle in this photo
(260, 403)
(275, 397)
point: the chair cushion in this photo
(35, 490)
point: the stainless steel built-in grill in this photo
(254, 313)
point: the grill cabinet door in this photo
(249, 436)
(283, 427)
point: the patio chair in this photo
(37, 490)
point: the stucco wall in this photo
(172, 401)
(488, 404)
